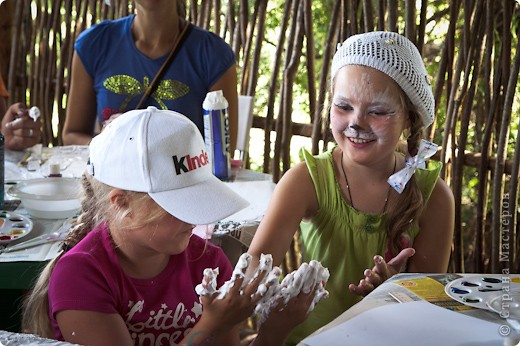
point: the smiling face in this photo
(368, 114)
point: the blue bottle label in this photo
(216, 137)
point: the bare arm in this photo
(294, 199)
(228, 84)
(93, 328)
(433, 243)
(81, 107)
(283, 319)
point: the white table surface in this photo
(423, 307)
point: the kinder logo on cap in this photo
(189, 163)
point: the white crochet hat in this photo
(397, 57)
(162, 152)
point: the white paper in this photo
(412, 323)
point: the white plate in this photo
(480, 290)
(13, 227)
(49, 198)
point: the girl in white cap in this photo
(360, 204)
(128, 271)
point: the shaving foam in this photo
(304, 279)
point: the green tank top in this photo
(343, 239)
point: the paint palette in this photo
(493, 292)
(13, 227)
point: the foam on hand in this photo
(208, 286)
(34, 113)
(239, 272)
(304, 279)
(307, 277)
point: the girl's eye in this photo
(345, 107)
(381, 113)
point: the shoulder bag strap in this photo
(153, 85)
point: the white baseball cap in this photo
(162, 152)
(397, 57)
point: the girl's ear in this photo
(118, 199)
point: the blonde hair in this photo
(95, 209)
(410, 203)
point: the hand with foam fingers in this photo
(281, 305)
(283, 318)
(225, 311)
(381, 272)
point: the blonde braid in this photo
(410, 203)
(35, 308)
(88, 218)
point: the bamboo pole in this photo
(310, 57)
(498, 178)
(474, 62)
(501, 251)
(255, 63)
(483, 173)
(289, 77)
(278, 148)
(318, 132)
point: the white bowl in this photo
(49, 198)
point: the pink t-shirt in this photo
(157, 311)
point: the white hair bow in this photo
(399, 180)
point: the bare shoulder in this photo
(441, 194)
(296, 189)
(298, 172)
(298, 179)
(433, 243)
(440, 208)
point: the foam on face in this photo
(304, 279)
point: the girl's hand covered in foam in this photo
(310, 276)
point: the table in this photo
(413, 309)
(18, 276)
(18, 270)
(16, 339)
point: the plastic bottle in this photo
(216, 133)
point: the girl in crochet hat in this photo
(128, 270)
(363, 204)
